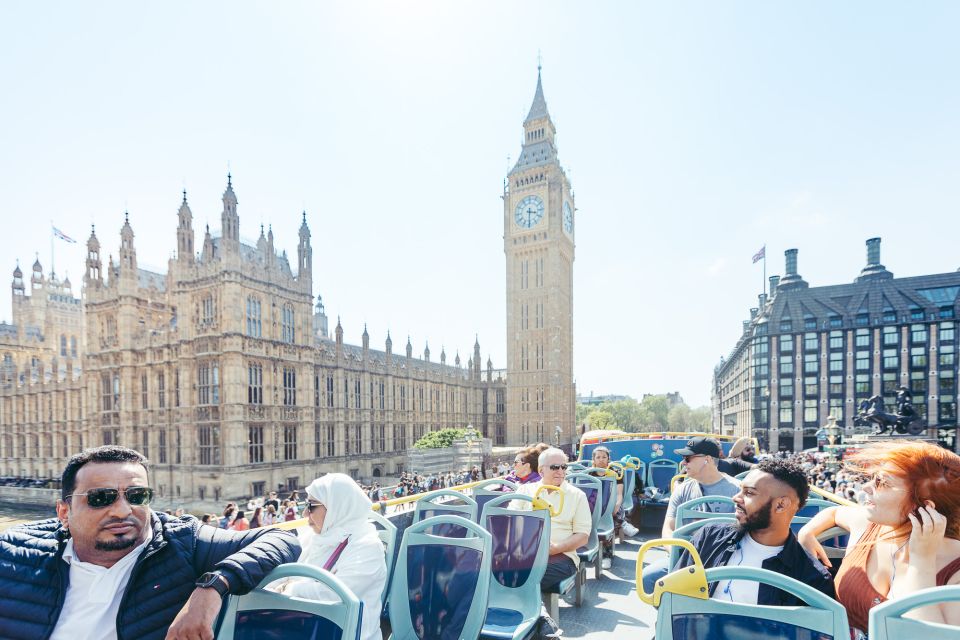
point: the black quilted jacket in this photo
(34, 578)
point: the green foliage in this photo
(443, 438)
(653, 413)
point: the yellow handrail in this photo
(690, 581)
(618, 469)
(676, 479)
(832, 497)
(540, 503)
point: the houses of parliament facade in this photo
(223, 372)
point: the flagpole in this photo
(53, 271)
(764, 272)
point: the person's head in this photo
(552, 465)
(335, 502)
(229, 511)
(272, 510)
(700, 458)
(525, 462)
(241, 515)
(903, 476)
(205, 518)
(104, 502)
(601, 457)
(770, 496)
(273, 495)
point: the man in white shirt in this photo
(108, 567)
(770, 496)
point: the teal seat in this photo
(887, 623)
(683, 616)
(589, 554)
(267, 615)
(686, 532)
(388, 536)
(608, 499)
(742, 474)
(441, 584)
(573, 467)
(812, 507)
(446, 502)
(659, 474)
(629, 484)
(521, 547)
(488, 490)
(690, 510)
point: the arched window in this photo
(254, 325)
(288, 324)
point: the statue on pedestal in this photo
(904, 421)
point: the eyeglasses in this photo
(313, 505)
(100, 498)
(518, 461)
(687, 459)
(557, 467)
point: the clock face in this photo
(567, 218)
(528, 212)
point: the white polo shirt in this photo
(94, 594)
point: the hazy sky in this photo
(694, 133)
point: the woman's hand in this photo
(813, 546)
(927, 534)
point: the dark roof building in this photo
(808, 353)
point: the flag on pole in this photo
(760, 255)
(60, 234)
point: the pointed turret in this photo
(185, 252)
(17, 286)
(366, 340)
(426, 352)
(389, 348)
(338, 335)
(128, 253)
(409, 348)
(443, 355)
(304, 254)
(539, 133)
(37, 278)
(230, 221)
(208, 250)
(320, 319)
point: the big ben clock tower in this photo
(538, 227)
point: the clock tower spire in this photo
(538, 224)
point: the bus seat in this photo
(387, 531)
(488, 490)
(688, 511)
(440, 585)
(267, 615)
(659, 474)
(887, 621)
(430, 506)
(521, 547)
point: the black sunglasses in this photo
(99, 498)
(557, 467)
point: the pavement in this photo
(611, 609)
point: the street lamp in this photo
(470, 438)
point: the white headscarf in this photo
(348, 508)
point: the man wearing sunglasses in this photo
(109, 567)
(570, 528)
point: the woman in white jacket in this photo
(346, 544)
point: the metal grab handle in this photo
(675, 479)
(540, 503)
(618, 469)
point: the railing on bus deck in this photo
(661, 435)
(376, 506)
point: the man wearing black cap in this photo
(703, 479)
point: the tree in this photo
(443, 438)
(601, 419)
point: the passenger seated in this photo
(524, 465)
(741, 458)
(906, 536)
(345, 543)
(569, 529)
(700, 458)
(769, 497)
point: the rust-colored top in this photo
(854, 589)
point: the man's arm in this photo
(244, 558)
(670, 519)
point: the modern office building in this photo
(807, 353)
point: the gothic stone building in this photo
(220, 371)
(812, 352)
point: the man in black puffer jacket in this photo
(109, 567)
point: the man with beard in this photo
(109, 567)
(769, 497)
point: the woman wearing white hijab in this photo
(337, 511)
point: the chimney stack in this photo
(873, 269)
(791, 280)
(791, 256)
(774, 282)
(762, 300)
(873, 252)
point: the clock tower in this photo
(538, 230)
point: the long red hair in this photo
(930, 473)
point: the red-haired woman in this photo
(904, 538)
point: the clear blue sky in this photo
(694, 133)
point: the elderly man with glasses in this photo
(570, 528)
(109, 567)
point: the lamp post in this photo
(470, 438)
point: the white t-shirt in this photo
(749, 553)
(94, 594)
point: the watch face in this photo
(567, 218)
(529, 212)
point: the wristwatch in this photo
(213, 580)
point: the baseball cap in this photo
(700, 446)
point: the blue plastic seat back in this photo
(262, 614)
(456, 504)
(704, 507)
(387, 531)
(490, 489)
(521, 546)
(809, 510)
(629, 483)
(660, 473)
(441, 585)
(887, 623)
(592, 488)
(685, 617)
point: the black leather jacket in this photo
(716, 543)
